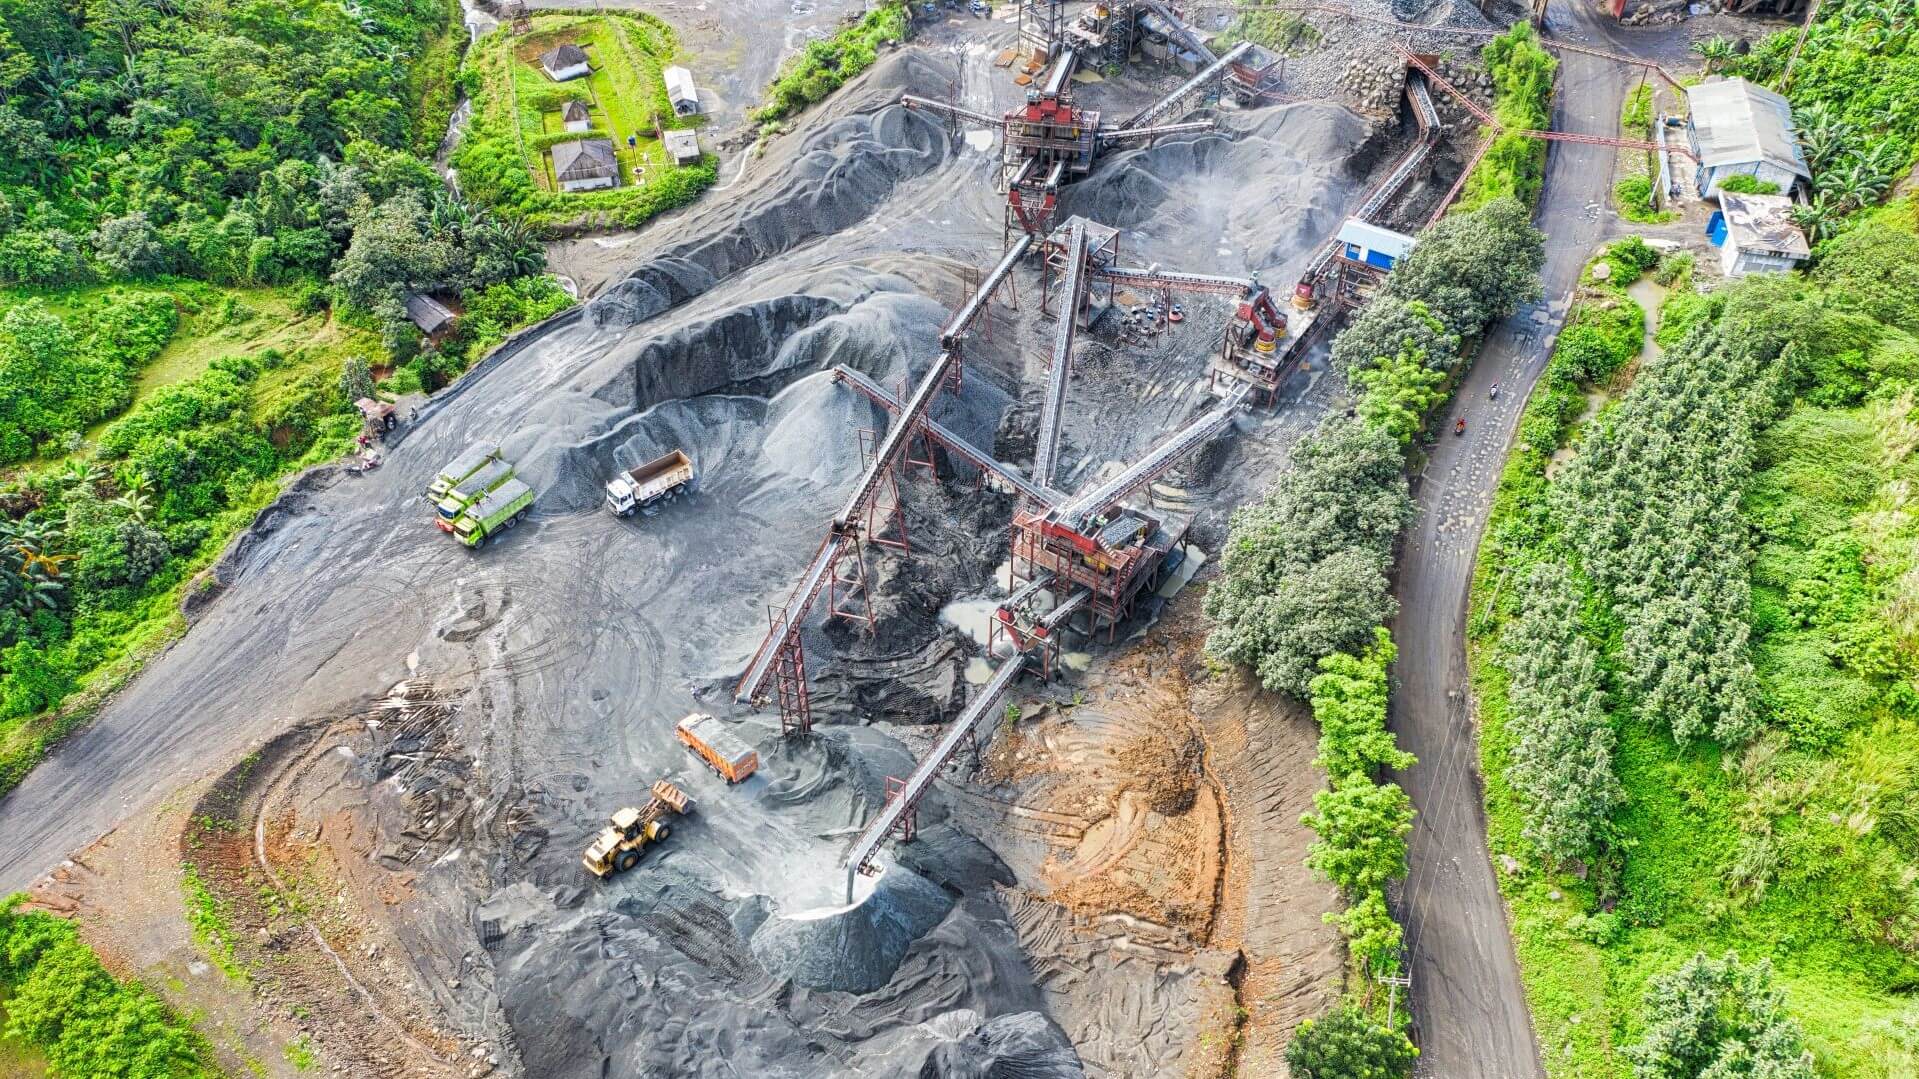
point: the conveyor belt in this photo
(928, 388)
(917, 784)
(1179, 30)
(1066, 608)
(951, 112)
(1061, 73)
(1152, 278)
(1165, 106)
(954, 444)
(1046, 452)
(1108, 136)
(1084, 507)
(800, 602)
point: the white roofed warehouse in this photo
(1737, 128)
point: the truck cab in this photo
(661, 478)
(486, 478)
(466, 464)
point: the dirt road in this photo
(1468, 1002)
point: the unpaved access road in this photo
(1469, 1005)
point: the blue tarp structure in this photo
(1716, 228)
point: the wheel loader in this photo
(630, 830)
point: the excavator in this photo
(630, 830)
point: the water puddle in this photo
(980, 139)
(973, 617)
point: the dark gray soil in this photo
(576, 641)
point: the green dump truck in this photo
(466, 464)
(488, 477)
(492, 513)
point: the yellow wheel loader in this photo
(618, 847)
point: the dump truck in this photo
(661, 478)
(727, 752)
(467, 463)
(488, 477)
(618, 846)
(494, 512)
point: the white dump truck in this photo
(662, 478)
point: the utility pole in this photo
(1394, 983)
(1812, 13)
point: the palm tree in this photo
(1816, 218)
(1822, 135)
(1715, 52)
(1852, 186)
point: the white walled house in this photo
(680, 91)
(586, 164)
(576, 116)
(566, 62)
(1737, 128)
(1760, 236)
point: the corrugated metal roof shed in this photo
(585, 159)
(1373, 238)
(679, 84)
(427, 313)
(1734, 122)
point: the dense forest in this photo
(211, 213)
(1696, 665)
(239, 143)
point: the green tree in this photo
(1372, 936)
(356, 379)
(129, 246)
(1473, 269)
(1362, 828)
(1349, 698)
(1562, 760)
(1718, 1020)
(1716, 52)
(1396, 392)
(1389, 325)
(1304, 572)
(1345, 1044)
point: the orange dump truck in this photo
(727, 752)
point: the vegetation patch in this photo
(207, 918)
(1515, 165)
(1852, 89)
(1282, 32)
(505, 160)
(1638, 169)
(86, 1023)
(1736, 856)
(825, 64)
(1304, 589)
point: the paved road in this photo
(1468, 1002)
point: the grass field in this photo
(504, 160)
(220, 321)
(625, 91)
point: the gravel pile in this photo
(855, 949)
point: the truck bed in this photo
(727, 752)
(659, 467)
